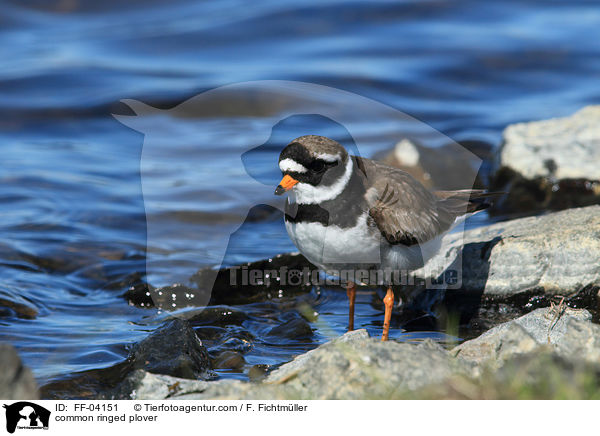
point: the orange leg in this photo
(388, 301)
(351, 292)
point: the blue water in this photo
(75, 225)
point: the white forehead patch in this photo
(328, 157)
(291, 166)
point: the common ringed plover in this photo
(348, 213)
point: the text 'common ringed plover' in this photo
(349, 213)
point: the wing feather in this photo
(405, 212)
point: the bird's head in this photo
(311, 163)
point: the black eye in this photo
(317, 166)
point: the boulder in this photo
(524, 262)
(173, 349)
(567, 332)
(353, 366)
(550, 164)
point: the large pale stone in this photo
(550, 164)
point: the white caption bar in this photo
(90, 418)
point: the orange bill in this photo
(285, 185)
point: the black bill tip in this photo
(280, 190)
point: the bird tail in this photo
(455, 204)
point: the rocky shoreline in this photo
(530, 285)
(520, 265)
(527, 286)
(519, 354)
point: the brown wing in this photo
(405, 212)
(401, 208)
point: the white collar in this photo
(306, 193)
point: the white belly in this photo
(336, 250)
(331, 247)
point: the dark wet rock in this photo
(173, 349)
(172, 297)
(481, 315)
(16, 380)
(452, 166)
(238, 344)
(293, 329)
(66, 260)
(17, 307)
(550, 164)
(237, 285)
(521, 263)
(140, 295)
(175, 296)
(228, 360)
(119, 280)
(567, 332)
(92, 384)
(210, 334)
(215, 316)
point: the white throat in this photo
(309, 194)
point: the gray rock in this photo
(143, 385)
(351, 336)
(567, 332)
(365, 369)
(258, 373)
(555, 254)
(351, 367)
(538, 375)
(16, 380)
(550, 164)
(581, 340)
(303, 359)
